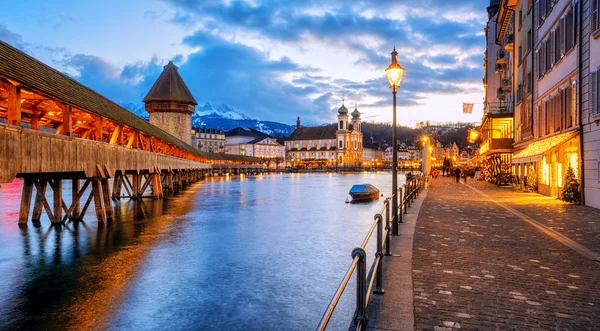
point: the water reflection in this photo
(236, 253)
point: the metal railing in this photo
(372, 283)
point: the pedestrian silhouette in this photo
(457, 174)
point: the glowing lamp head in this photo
(394, 72)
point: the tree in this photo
(531, 185)
(570, 192)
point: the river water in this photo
(230, 253)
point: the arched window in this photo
(341, 145)
(341, 125)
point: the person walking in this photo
(465, 175)
(457, 174)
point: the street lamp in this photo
(394, 75)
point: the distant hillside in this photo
(223, 117)
(382, 134)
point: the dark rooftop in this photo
(314, 132)
(170, 87)
(245, 132)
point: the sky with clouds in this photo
(271, 59)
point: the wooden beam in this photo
(132, 142)
(37, 205)
(38, 191)
(35, 120)
(141, 141)
(14, 104)
(97, 127)
(114, 138)
(77, 194)
(67, 120)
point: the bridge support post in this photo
(75, 185)
(135, 190)
(170, 184)
(117, 183)
(57, 197)
(98, 200)
(40, 188)
(25, 200)
(156, 186)
(107, 201)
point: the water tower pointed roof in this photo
(170, 87)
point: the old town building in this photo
(338, 145)
(496, 130)
(590, 94)
(251, 142)
(209, 140)
(171, 104)
(539, 82)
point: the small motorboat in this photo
(363, 192)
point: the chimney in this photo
(298, 123)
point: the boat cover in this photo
(364, 188)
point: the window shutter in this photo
(537, 63)
(575, 21)
(563, 35)
(542, 12)
(548, 54)
(574, 110)
(594, 94)
(594, 15)
(551, 46)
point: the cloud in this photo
(10, 37)
(122, 85)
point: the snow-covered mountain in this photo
(223, 117)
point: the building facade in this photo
(545, 93)
(209, 140)
(251, 142)
(590, 96)
(339, 145)
(496, 130)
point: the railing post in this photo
(360, 315)
(402, 189)
(387, 227)
(405, 200)
(379, 255)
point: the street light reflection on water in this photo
(260, 252)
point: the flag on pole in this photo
(467, 108)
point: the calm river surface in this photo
(243, 253)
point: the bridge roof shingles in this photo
(35, 75)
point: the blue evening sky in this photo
(271, 60)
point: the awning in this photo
(535, 151)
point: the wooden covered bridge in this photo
(53, 129)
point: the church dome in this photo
(343, 110)
(355, 113)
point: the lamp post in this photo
(394, 75)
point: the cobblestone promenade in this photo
(490, 258)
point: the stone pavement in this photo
(478, 266)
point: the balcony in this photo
(499, 108)
(502, 57)
(500, 94)
(499, 69)
(501, 143)
(507, 85)
(509, 42)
